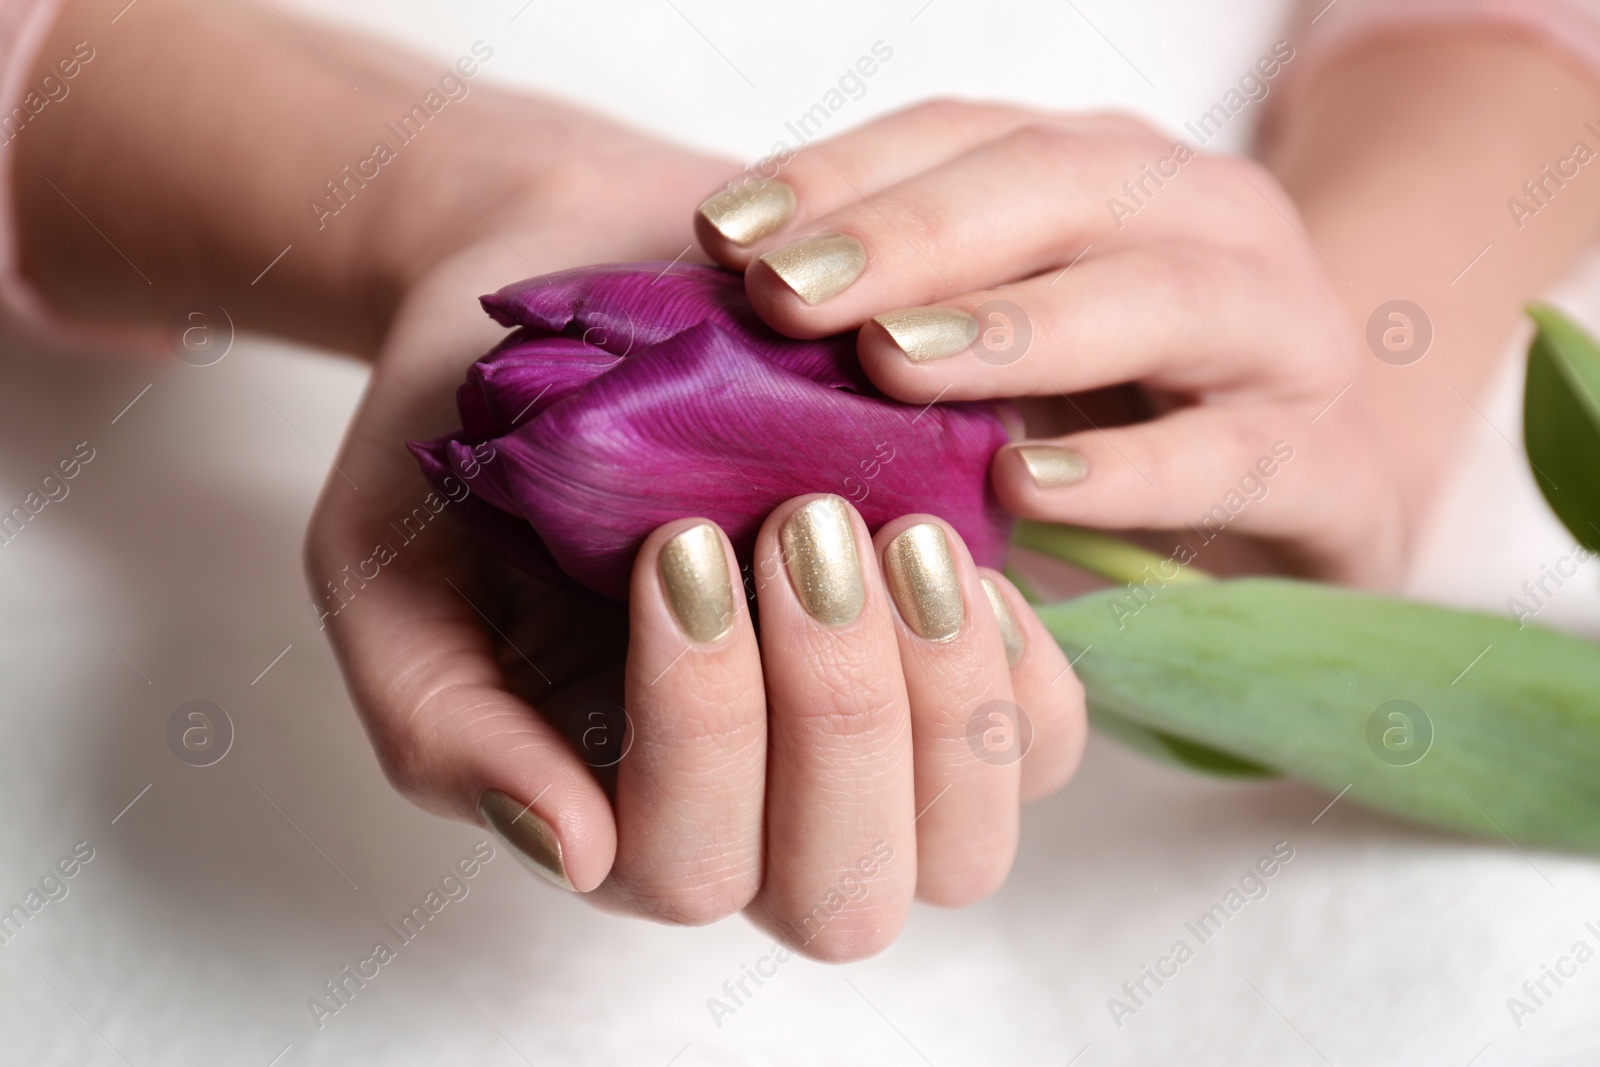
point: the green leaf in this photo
(1498, 733)
(1122, 561)
(1170, 748)
(1561, 421)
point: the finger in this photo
(954, 660)
(423, 673)
(689, 787)
(788, 189)
(841, 850)
(1050, 739)
(1007, 209)
(1209, 469)
(1179, 317)
(425, 669)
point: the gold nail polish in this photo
(1010, 632)
(694, 576)
(923, 581)
(1051, 466)
(929, 333)
(748, 210)
(820, 266)
(819, 548)
(529, 836)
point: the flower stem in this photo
(1102, 554)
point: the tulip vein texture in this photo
(630, 395)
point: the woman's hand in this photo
(818, 779)
(988, 251)
(871, 749)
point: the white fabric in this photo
(206, 918)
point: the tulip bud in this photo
(627, 397)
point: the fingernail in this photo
(819, 547)
(747, 211)
(1010, 632)
(529, 836)
(922, 580)
(819, 266)
(694, 575)
(929, 333)
(1051, 466)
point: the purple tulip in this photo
(630, 395)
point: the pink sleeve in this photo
(1323, 28)
(25, 317)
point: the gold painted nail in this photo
(819, 266)
(1010, 632)
(929, 333)
(819, 547)
(694, 575)
(529, 836)
(748, 210)
(922, 578)
(1051, 466)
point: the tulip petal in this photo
(503, 531)
(487, 479)
(702, 428)
(522, 377)
(624, 308)
(631, 395)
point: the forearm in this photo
(1402, 159)
(201, 138)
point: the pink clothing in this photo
(1323, 29)
(27, 92)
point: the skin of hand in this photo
(191, 148)
(1237, 304)
(764, 777)
(829, 748)
(1231, 329)
(756, 777)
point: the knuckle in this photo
(319, 547)
(1242, 169)
(1068, 703)
(1184, 281)
(975, 119)
(406, 761)
(858, 915)
(419, 759)
(1154, 464)
(689, 905)
(1047, 143)
(709, 713)
(1131, 128)
(313, 552)
(1060, 728)
(964, 664)
(930, 228)
(407, 743)
(852, 699)
(692, 860)
(946, 109)
(1250, 203)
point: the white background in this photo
(223, 898)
